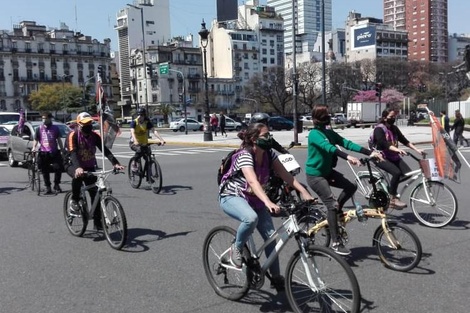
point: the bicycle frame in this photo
(101, 186)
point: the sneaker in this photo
(339, 248)
(48, 190)
(57, 188)
(235, 256)
(278, 282)
(74, 208)
(396, 204)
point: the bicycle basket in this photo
(429, 168)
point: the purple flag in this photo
(21, 122)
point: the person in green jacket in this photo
(322, 157)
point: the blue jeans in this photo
(239, 209)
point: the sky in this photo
(96, 18)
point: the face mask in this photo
(87, 129)
(264, 143)
(47, 122)
(391, 120)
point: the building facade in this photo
(427, 24)
(31, 55)
(142, 24)
(369, 38)
(309, 21)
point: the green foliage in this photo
(55, 97)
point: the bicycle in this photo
(398, 247)
(34, 173)
(152, 170)
(316, 278)
(432, 202)
(113, 219)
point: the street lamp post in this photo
(323, 62)
(144, 62)
(204, 34)
(184, 100)
(295, 81)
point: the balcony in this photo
(40, 50)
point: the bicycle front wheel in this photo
(400, 249)
(76, 223)
(321, 281)
(228, 282)
(156, 178)
(322, 237)
(439, 210)
(114, 222)
(134, 174)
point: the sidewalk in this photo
(415, 134)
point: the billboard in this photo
(227, 10)
(363, 37)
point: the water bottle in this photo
(360, 213)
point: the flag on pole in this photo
(100, 97)
(445, 151)
(21, 121)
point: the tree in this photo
(55, 97)
(389, 96)
(309, 85)
(164, 109)
(271, 91)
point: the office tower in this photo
(309, 23)
(133, 31)
(427, 26)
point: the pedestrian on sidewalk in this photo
(214, 121)
(458, 128)
(222, 124)
(445, 121)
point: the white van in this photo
(9, 119)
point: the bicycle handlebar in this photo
(415, 157)
(294, 207)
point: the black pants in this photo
(140, 150)
(50, 162)
(396, 169)
(321, 186)
(77, 183)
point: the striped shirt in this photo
(237, 185)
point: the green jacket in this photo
(321, 158)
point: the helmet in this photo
(259, 118)
(84, 118)
(142, 111)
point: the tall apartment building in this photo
(31, 55)
(144, 21)
(427, 26)
(309, 21)
(237, 50)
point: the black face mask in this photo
(47, 122)
(87, 129)
(391, 120)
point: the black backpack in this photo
(224, 170)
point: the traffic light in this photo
(378, 90)
(101, 72)
(149, 70)
(181, 97)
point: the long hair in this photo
(385, 114)
(249, 135)
(458, 115)
(319, 113)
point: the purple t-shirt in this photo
(47, 137)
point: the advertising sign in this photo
(364, 37)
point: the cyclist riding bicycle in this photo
(81, 145)
(50, 147)
(322, 156)
(241, 193)
(140, 128)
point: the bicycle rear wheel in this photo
(228, 282)
(156, 178)
(400, 250)
(440, 211)
(135, 177)
(321, 281)
(114, 222)
(76, 223)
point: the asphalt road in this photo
(45, 269)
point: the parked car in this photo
(4, 134)
(192, 125)
(340, 118)
(231, 124)
(280, 123)
(9, 119)
(19, 143)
